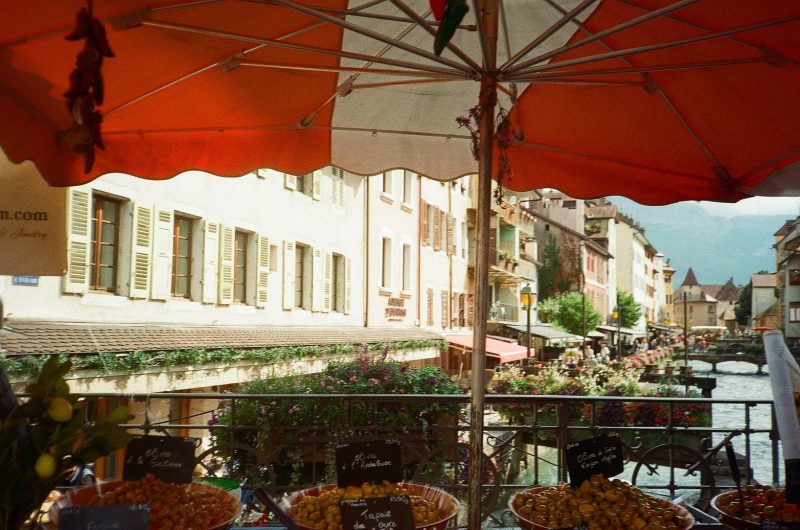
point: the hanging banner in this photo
(33, 236)
(784, 376)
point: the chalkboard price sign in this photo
(600, 454)
(377, 513)
(169, 458)
(112, 517)
(370, 461)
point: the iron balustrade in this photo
(519, 452)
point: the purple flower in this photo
(294, 410)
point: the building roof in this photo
(764, 280)
(31, 337)
(770, 311)
(690, 278)
(729, 291)
(787, 227)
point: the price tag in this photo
(377, 513)
(601, 454)
(111, 517)
(371, 461)
(169, 458)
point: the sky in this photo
(789, 206)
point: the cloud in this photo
(787, 206)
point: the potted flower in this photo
(305, 430)
(43, 437)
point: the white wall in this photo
(258, 204)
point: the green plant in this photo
(288, 419)
(105, 362)
(44, 436)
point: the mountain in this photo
(716, 248)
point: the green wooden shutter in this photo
(76, 279)
(262, 275)
(288, 275)
(161, 284)
(225, 290)
(141, 251)
(210, 262)
(328, 296)
(348, 284)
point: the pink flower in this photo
(353, 378)
(373, 381)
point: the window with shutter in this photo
(430, 307)
(348, 284)
(327, 297)
(338, 187)
(77, 278)
(437, 229)
(408, 182)
(181, 280)
(445, 309)
(462, 302)
(470, 310)
(450, 242)
(210, 262)
(386, 263)
(316, 186)
(240, 266)
(430, 216)
(288, 274)
(303, 276)
(406, 268)
(290, 181)
(140, 254)
(443, 230)
(423, 224)
(104, 247)
(454, 310)
(161, 284)
(317, 279)
(226, 253)
(262, 274)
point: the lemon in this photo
(60, 409)
(45, 465)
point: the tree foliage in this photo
(744, 305)
(561, 268)
(630, 310)
(569, 312)
(549, 269)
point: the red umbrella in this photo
(657, 100)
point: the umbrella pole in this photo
(486, 126)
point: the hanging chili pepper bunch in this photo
(86, 87)
(449, 14)
(502, 138)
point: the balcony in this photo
(517, 453)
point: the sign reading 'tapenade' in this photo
(377, 513)
(600, 454)
(372, 461)
(169, 458)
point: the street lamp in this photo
(528, 298)
(618, 317)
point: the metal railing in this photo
(665, 451)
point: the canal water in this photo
(737, 380)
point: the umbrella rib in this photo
(602, 34)
(372, 131)
(692, 25)
(405, 8)
(566, 18)
(400, 83)
(635, 69)
(476, 9)
(353, 69)
(654, 47)
(302, 47)
(371, 34)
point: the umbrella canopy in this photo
(657, 100)
(652, 99)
